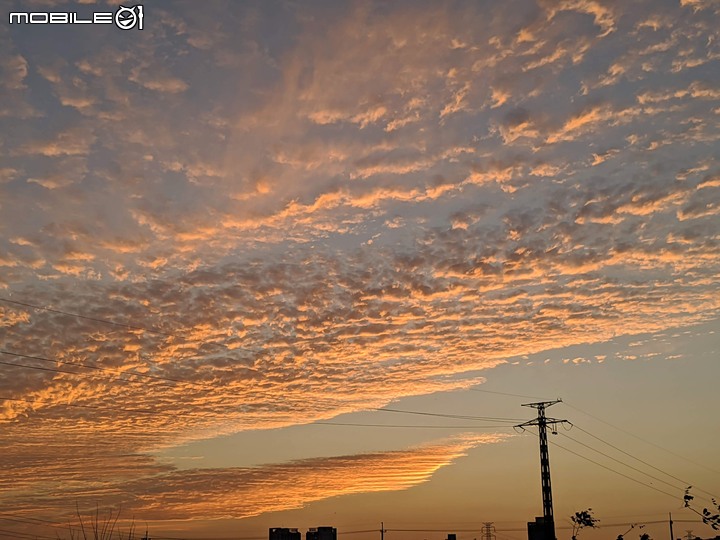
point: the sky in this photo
(243, 247)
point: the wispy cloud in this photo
(154, 492)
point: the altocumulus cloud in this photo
(387, 199)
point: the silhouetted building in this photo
(452, 536)
(541, 529)
(321, 533)
(279, 533)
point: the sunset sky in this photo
(230, 238)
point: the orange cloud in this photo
(151, 491)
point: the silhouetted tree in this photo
(582, 519)
(709, 517)
(643, 536)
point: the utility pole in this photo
(542, 422)
(488, 531)
(382, 530)
(671, 524)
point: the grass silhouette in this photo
(99, 527)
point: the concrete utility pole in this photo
(542, 422)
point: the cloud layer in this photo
(163, 493)
(363, 206)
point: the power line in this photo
(613, 470)
(98, 408)
(653, 522)
(500, 531)
(641, 439)
(113, 323)
(622, 462)
(438, 530)
(180, 381)
(684, 482)
(94, 319)
(90, 366)
(37, 522)
(502, 393)
(31, 520)
(40, 368)
(16, 534)
(109, 322)
(56, 370)
(478, 529)
(155, 537)
(456, 416)
(26, 522)
(152, 412)
(407, 426)
(501, 535)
